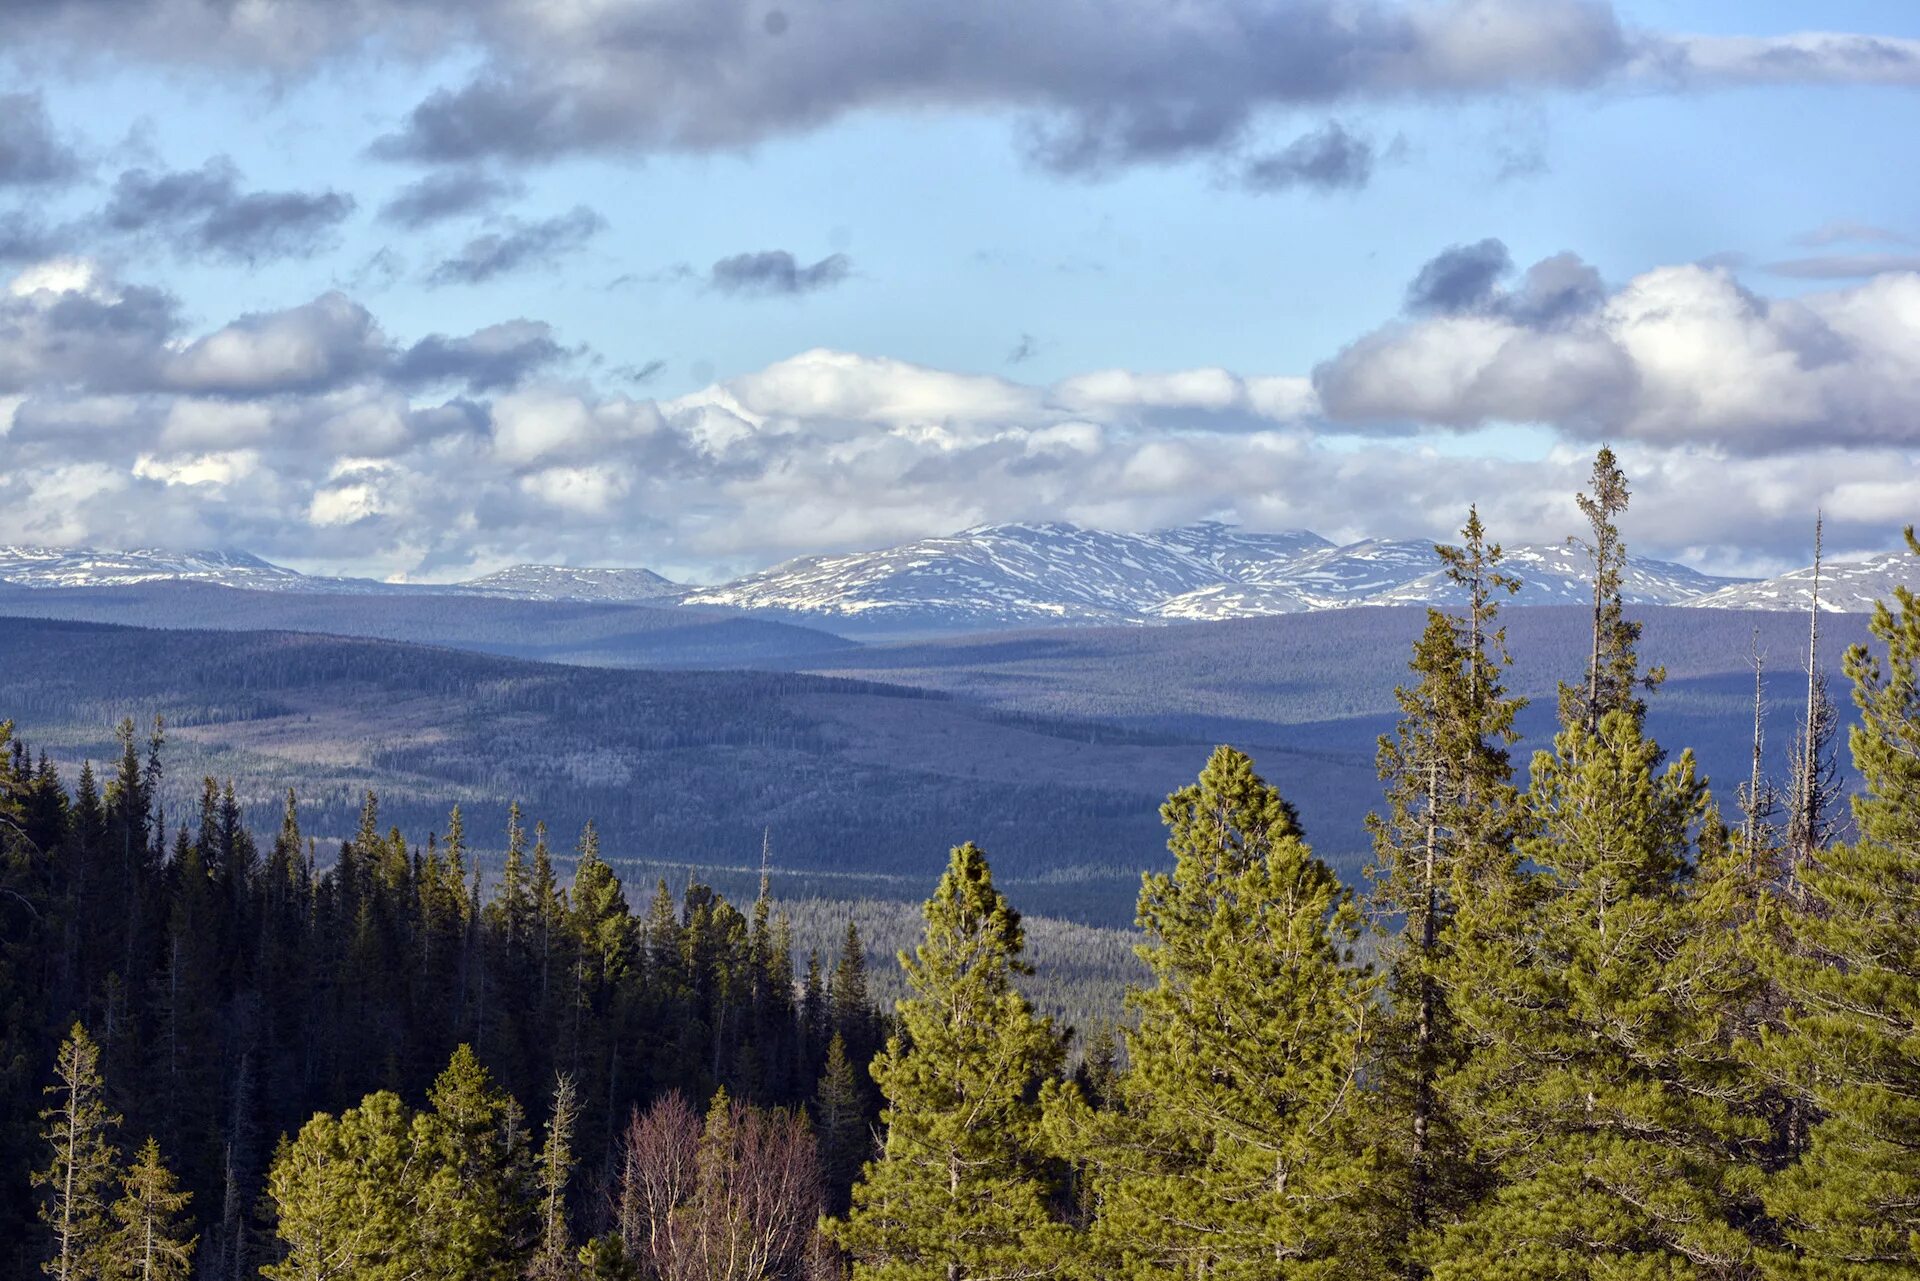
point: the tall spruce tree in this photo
(1231, 1153)
(1850, 968)
(1613, 679)
(960, 1192)
(1451, 810)
(82, 1167)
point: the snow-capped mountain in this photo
(1001, 574)
(91, 567)
(1025, 575)
(558, 582)
(38, 567)
(1028, 574)
(1846, 587)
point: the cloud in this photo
(776, 272)
(309, 434)
(325, 343)
(203, 213)
(1677, 354)
(31, 154)
(1330, 159)
(1843, 266)
(490, 359)
(26, 238)
(1024, 350)
(1460, 278)
(518, 246)
(1095, 84)
(450, 193)
(1842, 231)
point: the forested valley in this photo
(1583, 1019)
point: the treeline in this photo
(200, 1003)
(1609, 1032)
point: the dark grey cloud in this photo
(1024, 350)
(1460, 278)
(204, 213)
(1098, 85)
(31, 153)
(449, 193)
(97, 341)
(1329, 159)
(771, 272)
(489, 359)
(25, 237)
(519, 245)
(1843, 266)
(641, 373)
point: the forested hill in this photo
(1052, 746)
(849, 776)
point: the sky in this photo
(419, 289)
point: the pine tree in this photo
(1603, 1088)
(81, 1172)
(150, 1242)
(1448, 826)
(959, 1192)
(1231, 1153)
(1851, 969)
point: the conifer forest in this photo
(1586, 1017)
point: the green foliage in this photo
(151, 1242)
(1449, 828)
(960, 1191)
(383, 1193)
(82, 1166)
(1601, 1088)
(1850, 965)
(1231, 1153)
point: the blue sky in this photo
(960, 252)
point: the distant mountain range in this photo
(1024, 575)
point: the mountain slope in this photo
(558, 582)
(1846, 587)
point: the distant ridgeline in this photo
(1614, 1025)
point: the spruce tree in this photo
(82, 1167)
(1231, 1153)
(151, 1240)
(1613, 678)
(554, 1256)
(840, 1116)
(1850, 967)
(1448, 826)
(959, 1192)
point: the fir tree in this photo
(959, 1191)
(80, 1174)
(151, 1242)
(1850, 966)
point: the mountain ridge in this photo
(995, 576)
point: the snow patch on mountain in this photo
(1846, 587)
